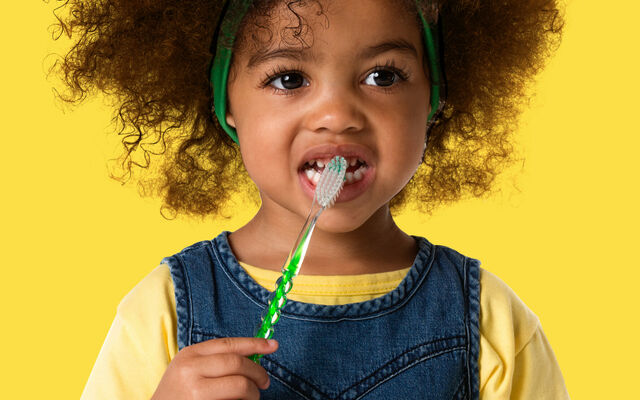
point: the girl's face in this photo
(356, 86)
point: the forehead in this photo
(322, 28)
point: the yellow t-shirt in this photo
(516, 360)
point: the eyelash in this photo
(277, 72)
(280, 70)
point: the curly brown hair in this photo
(152, 58)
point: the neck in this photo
(378, 245)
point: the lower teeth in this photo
(351, 177)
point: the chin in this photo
(339, 222)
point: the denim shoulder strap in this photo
(468, 270)
(192, 275)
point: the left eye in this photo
(381, 77)
(288, 81)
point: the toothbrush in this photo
(327, 190)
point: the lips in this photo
(328, 151)
(349, 190)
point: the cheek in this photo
(404, 134)
(401, 148)
(262, 170)
(415, 130)
(266, 123)
(265, 156)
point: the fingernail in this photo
(271, 342)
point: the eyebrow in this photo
(303, 55)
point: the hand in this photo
(216, 369)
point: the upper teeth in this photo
(321, 163)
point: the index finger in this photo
(245, 346)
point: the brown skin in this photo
(216, 369)
(153, 59)
(337, 102)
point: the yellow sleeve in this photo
(140, 343)
(516, 360)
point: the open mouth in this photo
(360, 174)
(359, 178)
(356, 170)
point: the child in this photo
(376, 313)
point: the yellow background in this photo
(75, 242)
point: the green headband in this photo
(222, 61)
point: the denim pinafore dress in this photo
(419, 341)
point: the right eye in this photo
(288, 81)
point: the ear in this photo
(230, 120)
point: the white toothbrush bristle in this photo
(331, 181)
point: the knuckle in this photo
(186, 368)
(227, 343)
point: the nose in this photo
(335, 110)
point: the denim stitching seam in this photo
(474, 311)
(189, 298)
(400, 355)
(290, 387)
(414, 363)
(293, 374)
(429, 253)
(467, 320)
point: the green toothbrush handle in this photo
(278, 297)
(271, 314)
